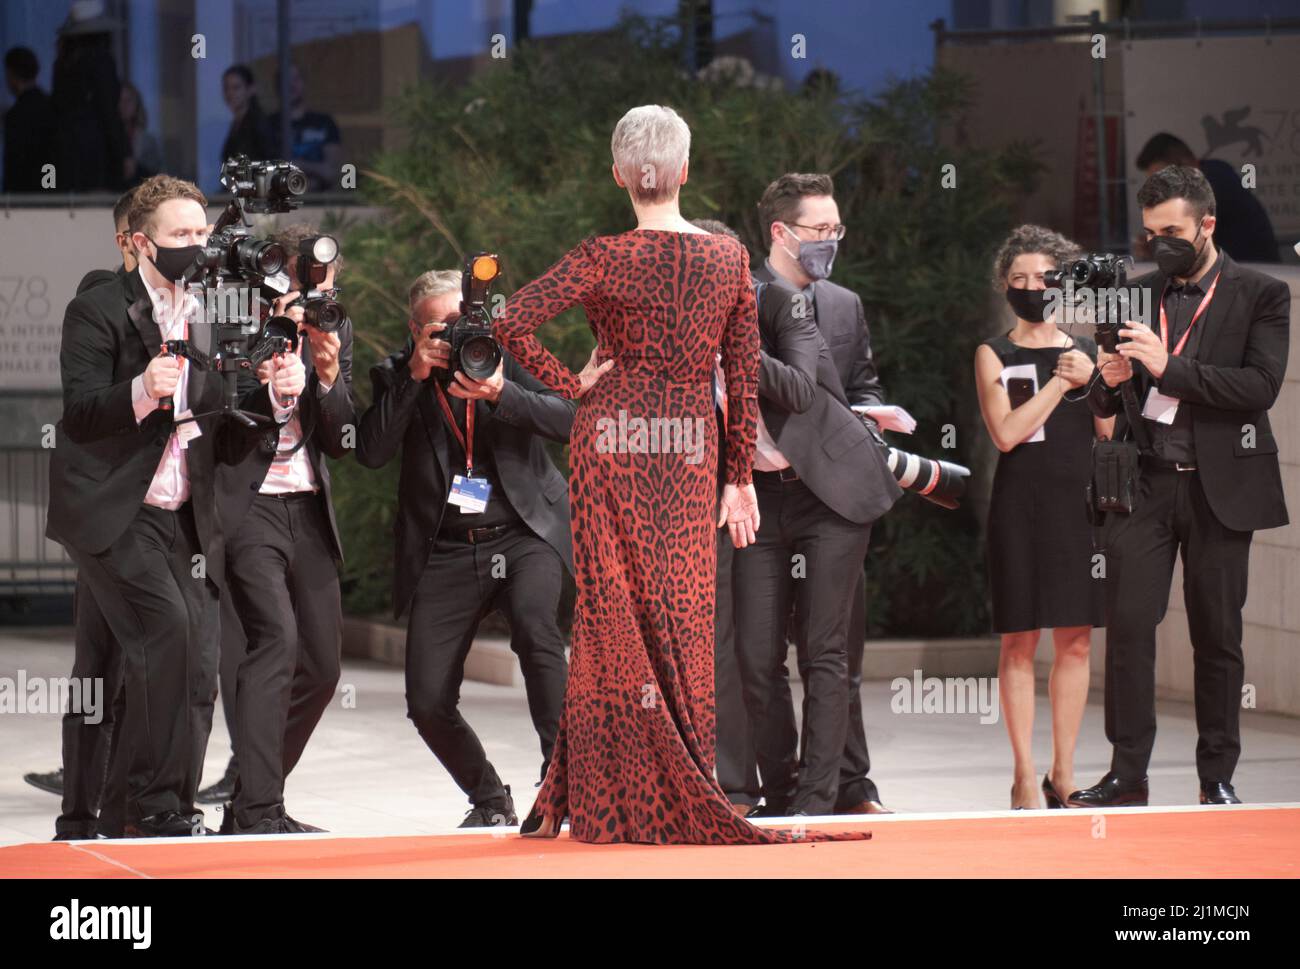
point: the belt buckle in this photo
(1179, 466)
(788, 474)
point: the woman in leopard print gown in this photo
(634, 758)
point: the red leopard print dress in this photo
(634, 757)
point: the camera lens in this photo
(265, 258)
(291, 182)
(325, 315)
(479, 356)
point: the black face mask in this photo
(172, 261)
(1174, 256)
(1029, 305)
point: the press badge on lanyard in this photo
(1159, 407)
(469, 493)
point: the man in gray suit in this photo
(801, 223)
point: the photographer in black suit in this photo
(452, 567)
(1204, 383)
(86, 746)
(821, 482)
(282, 559)
(132, 499)
(801, 224)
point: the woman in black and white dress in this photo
(1039, 540)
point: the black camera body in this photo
(264, 186)
(321, 310)
(474, 351)
(236, 276)
(1096, 271)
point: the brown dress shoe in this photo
(866, 807)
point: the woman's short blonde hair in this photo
(650, 145)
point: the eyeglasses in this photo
(823, 231)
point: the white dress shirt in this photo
(290, 470)
(170, 487)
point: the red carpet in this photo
(1232, 843)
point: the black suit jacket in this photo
(103, 462)
(808, 416)
(405, 415)
(843, 325)
(1229, 384)
(325, 419)
(98, 277)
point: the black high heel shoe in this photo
(1050, 794)
(535, 825)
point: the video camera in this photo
(1097, 271)
(474, 351)
(236, 277)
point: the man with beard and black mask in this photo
(1204, 382)
(801, 224)
(133, 502)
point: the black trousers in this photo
(522, 576)
(1172, 516)
(162, 609)
(737, 768)
(234, 644)
(855, 785)
(808, 557)
(283, 583)
(87, 746)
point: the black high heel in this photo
(533, 825)
(1050, 794)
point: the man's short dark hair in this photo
(718, 228)
(1167, 149)
(1178, 182)
(782, 199)
(21, 62)
(122, 207)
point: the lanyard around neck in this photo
(466, 439)
(1164, 322)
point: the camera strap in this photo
(1136, 422)
(464, 439)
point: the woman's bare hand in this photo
(593, 371)
(738, 510)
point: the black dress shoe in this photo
(1111, 791)
(301, 827)
(167, 824)
(495, 812)
(278, 825)
(1218, 792)
(51, 783)
(771, 810)
(222, 790)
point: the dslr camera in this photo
(320, 308)
(1097, 271)
(474, 351)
